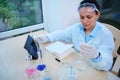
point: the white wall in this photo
(61, 13)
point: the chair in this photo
(116, 67)
(116, 33)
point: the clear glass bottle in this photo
(71, 73)
(47, 75)
(67, 72)
(30, 70)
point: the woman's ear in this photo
(97, 15)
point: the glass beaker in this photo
(82, 63)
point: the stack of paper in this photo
(60, 49)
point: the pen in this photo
(57, 59)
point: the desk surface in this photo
(13, 63)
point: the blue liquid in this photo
(48, 78)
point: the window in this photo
(20, 16)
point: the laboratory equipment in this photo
(67, 72)
(31, 71)
(47, 75)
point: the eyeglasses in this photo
(94, 8)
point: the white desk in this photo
(13, 63)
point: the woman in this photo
(91, 38)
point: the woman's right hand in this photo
(40, 38)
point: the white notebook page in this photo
(58, 47)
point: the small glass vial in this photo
(31, 71)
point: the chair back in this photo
(116, 34)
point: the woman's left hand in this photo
(88, 51)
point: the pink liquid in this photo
(31, 72)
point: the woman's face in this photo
(88, 17)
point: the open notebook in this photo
(60, 49)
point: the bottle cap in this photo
(41, 67)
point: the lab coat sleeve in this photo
(105, 59)
(60, 35)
